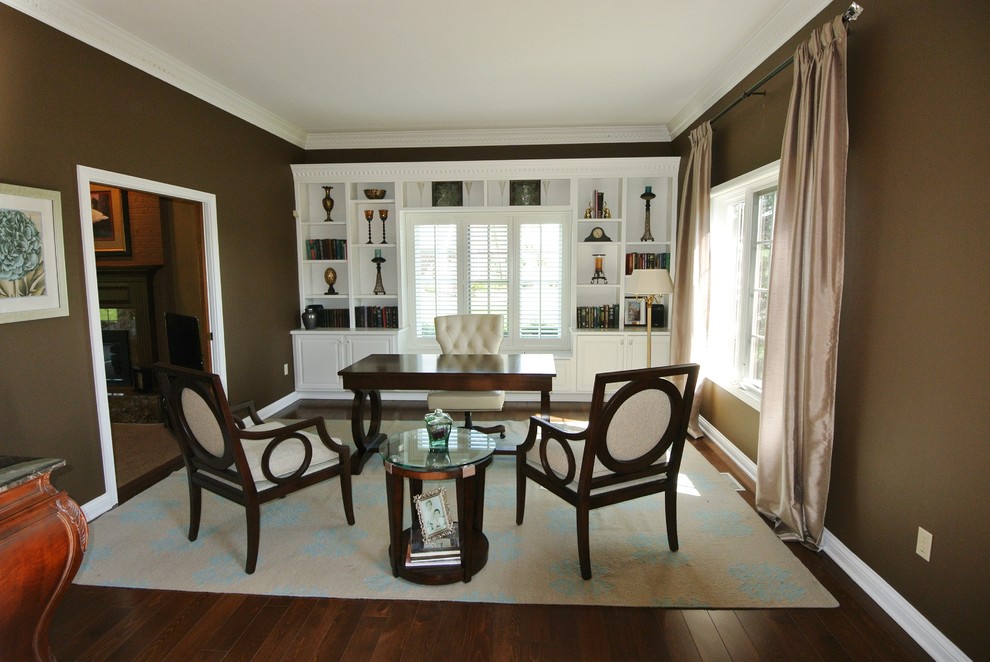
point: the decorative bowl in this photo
(374, 193)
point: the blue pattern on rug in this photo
(724, 524)
(335, 543)
(151, 511)
(221, 571)
(569, 582)
(765, 582)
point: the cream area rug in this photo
(728, 557)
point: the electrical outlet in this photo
(285, 369)
(924, 548)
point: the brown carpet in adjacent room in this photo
(143, 453)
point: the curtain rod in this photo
(850, 14)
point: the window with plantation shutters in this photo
(512, 265)
(541, 269)
(435, 274)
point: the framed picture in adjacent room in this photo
(635, 310)
(32, 255)
(111, 227)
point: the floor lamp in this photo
(650, 284)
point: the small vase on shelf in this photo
(327, 202)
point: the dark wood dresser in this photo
(43, 535)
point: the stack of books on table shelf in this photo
(439, 551)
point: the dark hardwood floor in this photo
(97, 623)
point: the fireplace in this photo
(117, 358)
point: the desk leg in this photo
(367, 442)
(545, 405)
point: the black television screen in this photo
(184, 348)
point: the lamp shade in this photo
(649, 281)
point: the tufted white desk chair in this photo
(469, 334)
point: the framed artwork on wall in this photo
(111, 227)
(32, 255)
(448, 194)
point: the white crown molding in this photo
(89, 28)
(780, 27)
(488, 137)
(658, 166)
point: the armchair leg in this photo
(345, 491)
(670, 512)
(520, 493)
(584, 546)
(487, 429)
(195, 509)
(253, 511)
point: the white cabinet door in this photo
(595, 353)
(636, 350)
(362, 345)
(317, 358)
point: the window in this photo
(742, 216)
(489, 263)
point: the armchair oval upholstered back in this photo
(631, 448)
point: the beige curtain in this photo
(692, 284)
(798, 405)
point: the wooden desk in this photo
(427, 372)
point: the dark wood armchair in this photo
(248, 461)
(631, 448)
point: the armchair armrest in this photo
(252, 413)
(296, 430)
(547, 432)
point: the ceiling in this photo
(361, 73)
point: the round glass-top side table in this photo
(407, 455)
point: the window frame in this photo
(512, 342)
(733, 374)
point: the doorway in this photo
(191, 294)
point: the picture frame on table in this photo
(111, 225)
(433, 514)
(635, 311)
(32, 255)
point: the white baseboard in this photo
(910, 619)
(96, 507)
(906, 616)
(740, 459)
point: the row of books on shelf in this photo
(444, 550)
(326, 249)
(376, 317)
(647, 261)
(333, 318)
(598, 317)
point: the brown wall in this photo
(912, 416)
(65, 103)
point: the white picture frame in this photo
(32, 255)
